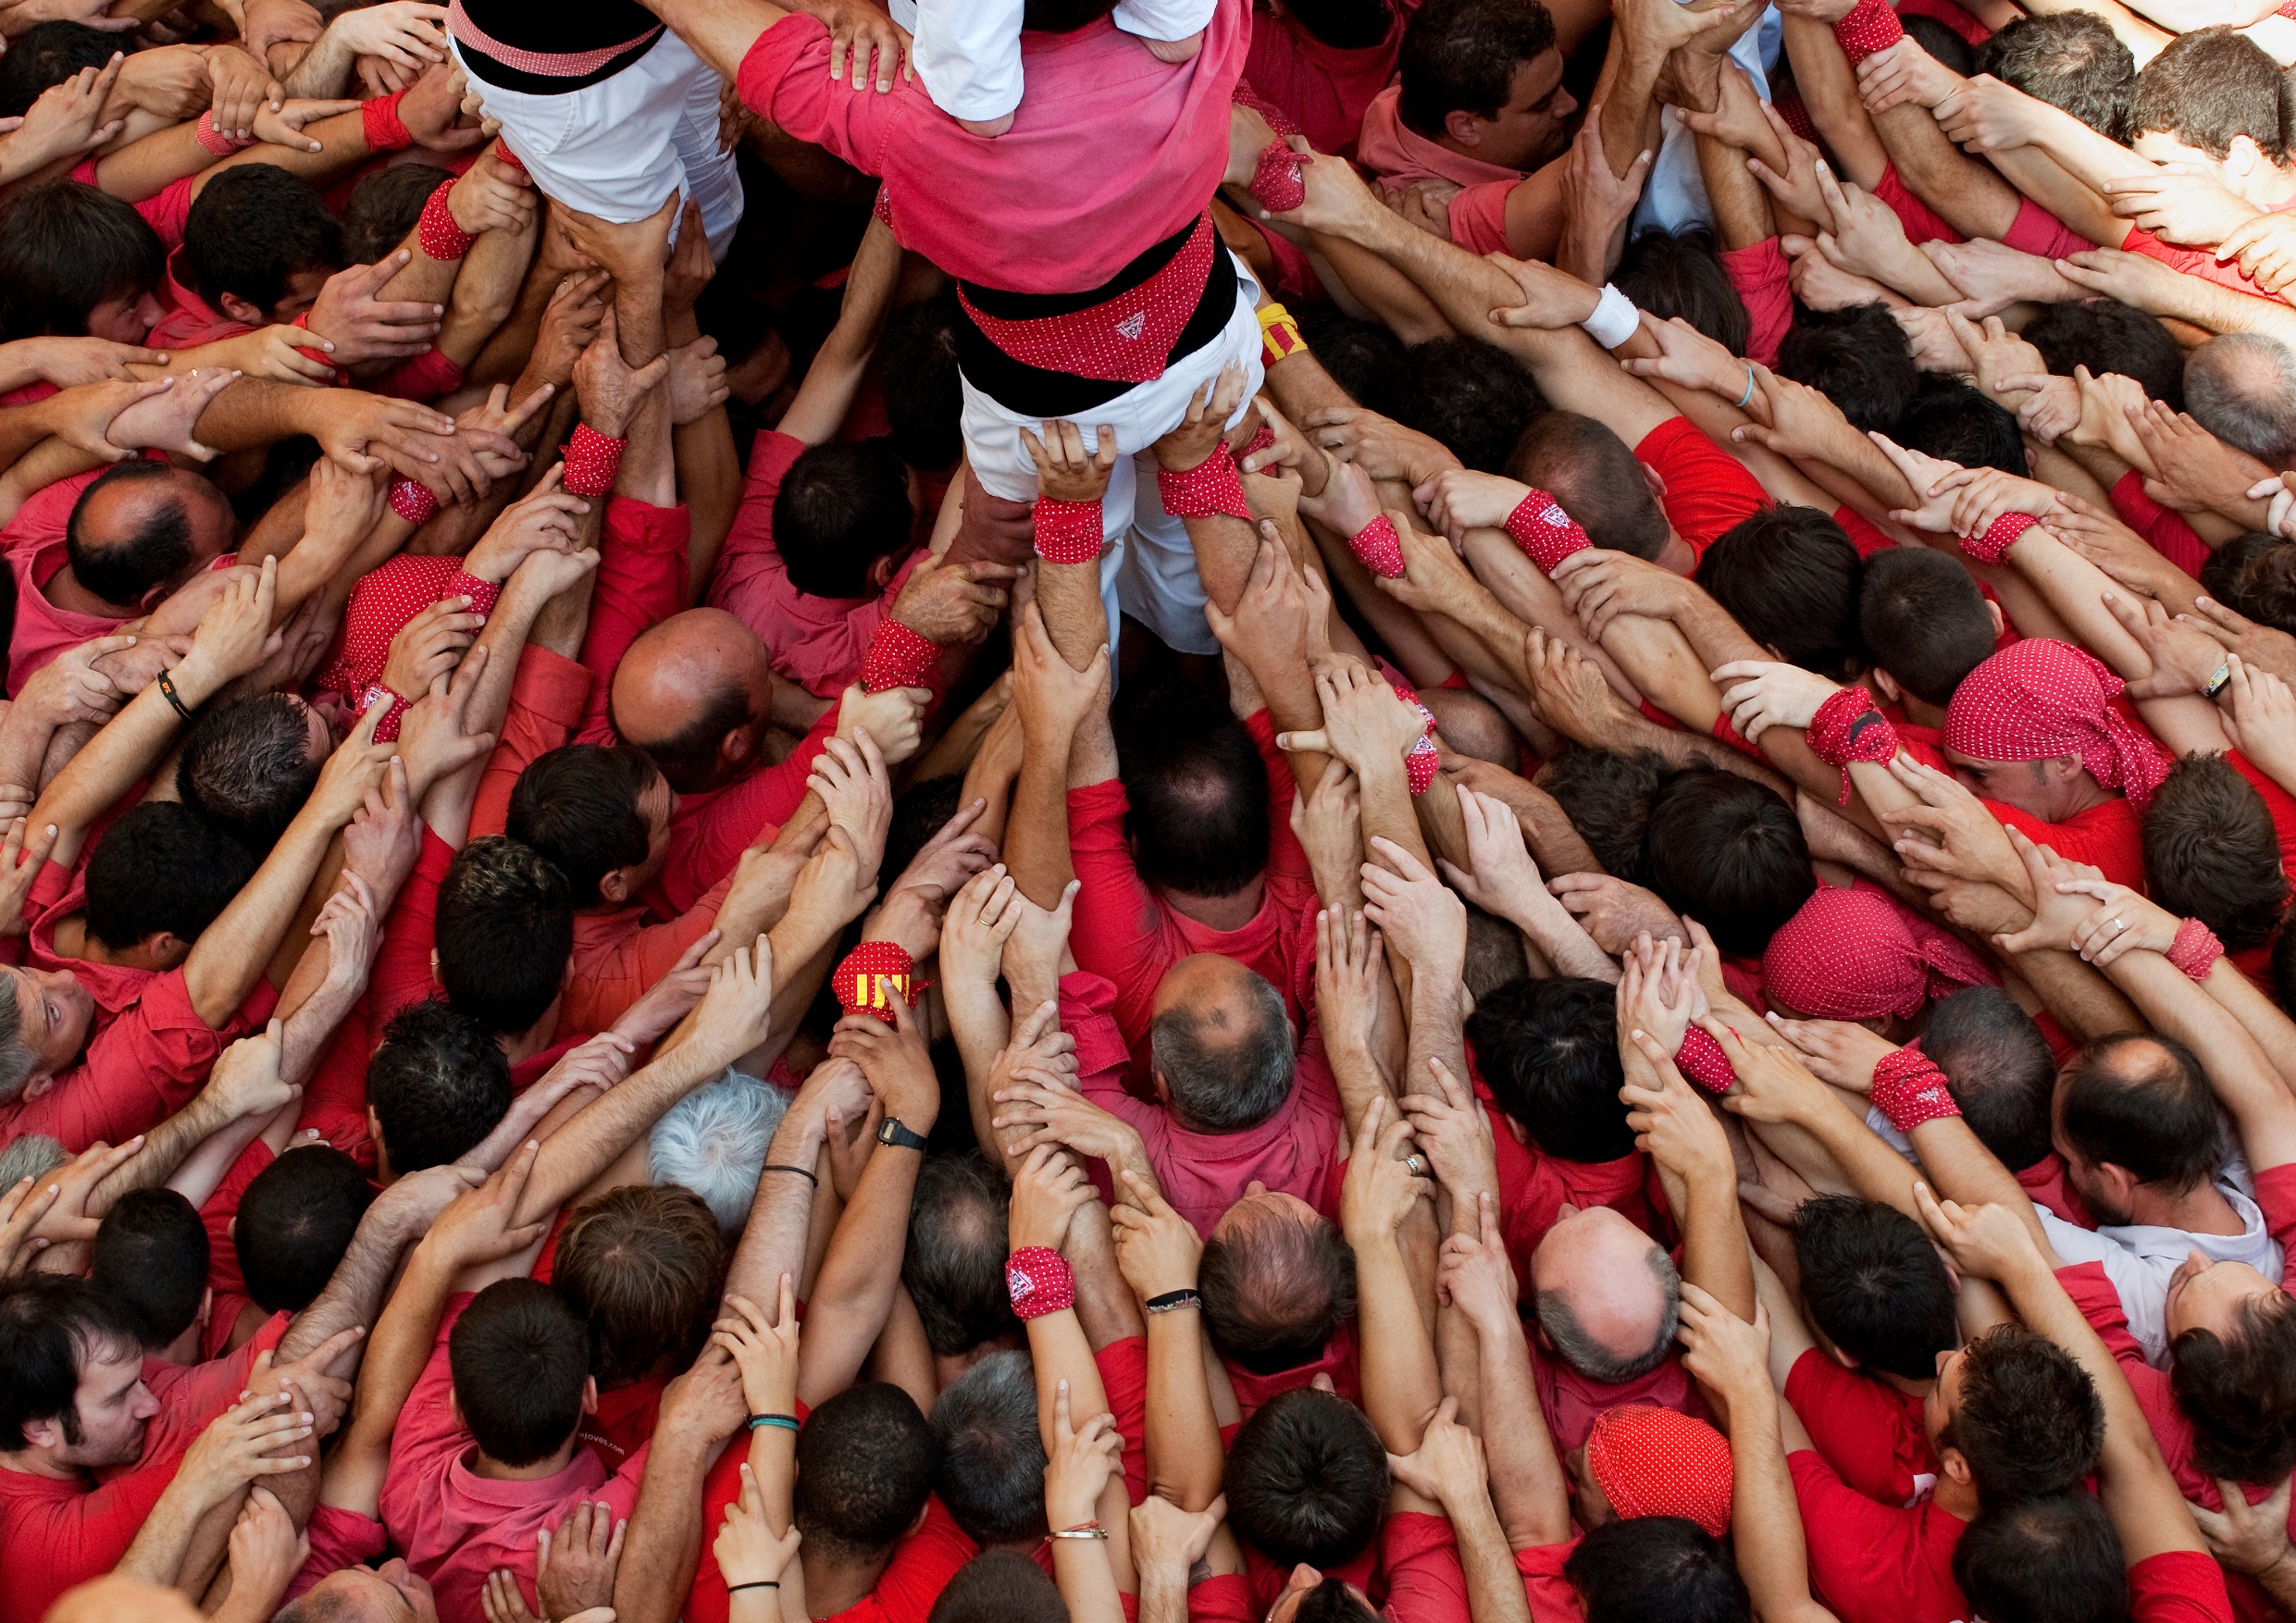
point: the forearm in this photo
(1495, 1587)
(663, 1544)
(1960, 1168)
(1183, 1457)
(1562, 938)
(854, 1292)
(158, 1555)
(1765, 1517)
(231, 953)
(1402, 1385)
(586, 1145)
(354, 1292)
(1528, 1486)
(1715, 1257)
(165, 1149)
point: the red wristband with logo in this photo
(1871, 26)
(873, 974)
(1276, 179)
(385, 130)
(1546, 534)
(1039, 1281)
(1067, 532)
(1848, 728)
(898, 656)
(593, 460)
(1999, 536)
(1212, 487)
(412, 501)
(1909, 1089)
(437, 234)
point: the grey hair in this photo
(1593, 1360)
(33, 1155)
(714, 1142)
(992, 1464)
(1231, 1085)
(18, 1060)
(2241, 388)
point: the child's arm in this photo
(968, 53)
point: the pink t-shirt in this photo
(456, 1526)
(34, 544)
(1029, 210)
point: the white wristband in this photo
(1613, 320)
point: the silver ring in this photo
(1417, 1167)
(2120, 924)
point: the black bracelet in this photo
(804, 1173)
(735, 1588)
(1170, 1300)
(167, 692)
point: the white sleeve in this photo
(968, 53)
(1164, 19)
(2142, 1288)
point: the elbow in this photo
(990, 128)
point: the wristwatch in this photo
(891, 1131)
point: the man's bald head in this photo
(2241, 388)
(1609, 1296)
(695, 693)
(143, 529)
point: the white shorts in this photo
(615, 148)
(1149, 569)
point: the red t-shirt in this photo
(2178, 1586)
(1876, 1563)
(1707, 491)
(1320, 88)
(1552, 1598)
(1533, 1188)
(1867, 1430)
(1253, 1391)
(2171, 536)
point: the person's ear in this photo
(165, 948)
(615, 887)
(241, 311)
(918, 1525)
(2244, 157)
(1517, 1131)
(589, 1400)
(1952, 1465)
(434, 963)
(1886, 686)
(206, 1301)
(1655, 480)
(1993, 612)
(2064, 768)
(42, 1081)
(153, 596)
(736, 747)
(1464, 126)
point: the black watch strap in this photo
(891, 1131)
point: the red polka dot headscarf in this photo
(1857, 955)
(1650, 1461)
(2037, 698)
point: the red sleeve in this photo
(401, 973)
(1552, 1598)
(1123, 1375)
(1707, 491)
(2171, 536)
(1922, 223)
(2178, 1586)
(2114, 843)
(339, 1539)
(1479, 217)
(1224, 1598)
(166, 210)
(548, 701)
(1119, 929)
(1856, 1546)
(1425, 1583)
(749, 542)
(427, 377)
(334, 1099)
(704, 848)
(641, 581)
(606, 982)
(1285, 854)
(2036, 230)
(785, 79)
(2200, 262)
(1857, 1427)
(1758, 272)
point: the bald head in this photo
(143, 528)
(695, 693)
(1607, 1295)
(2241, 388)
(1222, 1044)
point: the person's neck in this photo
(520, 1047)
(2199, 1211)
(1231, 911)
(2269, 186)
(73, 941)
(1955, 1497)
(39, 1462)
(1905, 1383)
(833, 1586)
(63, 589)
(494, 1471)
(2085, 794)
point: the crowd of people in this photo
(1185, 812)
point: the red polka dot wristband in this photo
(1212, 486)
(1039, 1281)
(1067, 532)
(1909, 1089)
(2195, 951)
(873, 974)
(214, 139)
(1999, 536)
(591, 460)
(1276, 179)
(437, 234)
(412, 501)
(1546, 534)
(898, 656)
(1379, 549)
(1702, 1061)
(1848, 728)
(1871, 26)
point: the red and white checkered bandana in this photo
(1859, 955)
(2039, 699)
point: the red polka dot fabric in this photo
(1999, 536)
(1123, 340)
(1067, 532)
(1275, 180)
(1212, 486)
(1379, 549)
(1546, 534)
(872, 976)
(1702, 1061)
(592, 461)
(1650, 1461)
(1859, 955)
(1909, 1089)
(2039, 698)
(1039, 1281)
(380, 606)
(1871, 26)
(898, 656)
(2196, 950)
(437, 234)
(414, 502)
